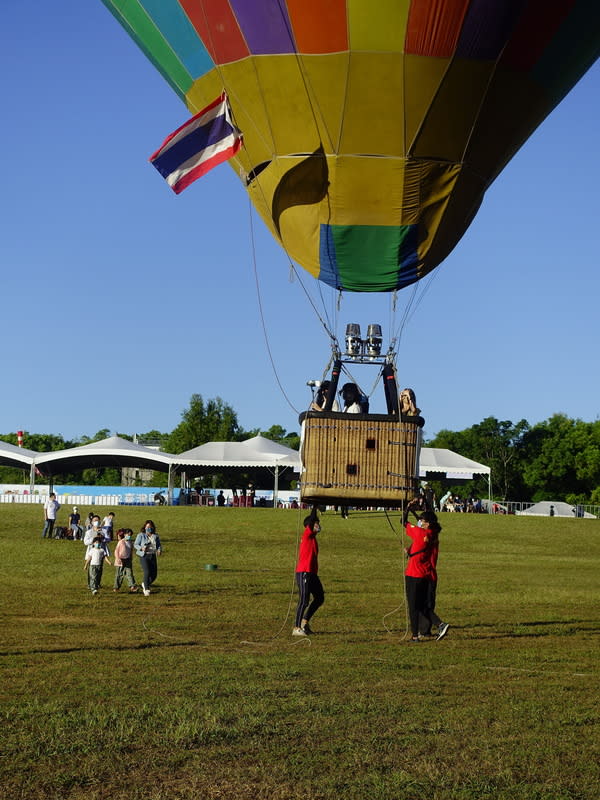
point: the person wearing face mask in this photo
(147, 546)
(94, 561)
(418, 569)
(429, 520)
(92, 531)
(310, 588)
(123, 560)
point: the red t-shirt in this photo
(308, 552)
(418, 564)
(433, 557)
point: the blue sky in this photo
(120, 299)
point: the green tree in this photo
(564, 459)
(103, 433)
(210, 421)
(277, 433)
(497, 444)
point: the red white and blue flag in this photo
(207, 139)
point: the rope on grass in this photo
(291, 596)
(405, 603)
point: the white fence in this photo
(80, 499)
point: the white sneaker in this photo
(146, 592)
(299, 632)
(442, 630)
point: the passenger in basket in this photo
(408, 408)
(351, 397)
(318, 403)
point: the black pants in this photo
(416, 597)
(426, 621)
(309, 586)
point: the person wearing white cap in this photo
(74, 518)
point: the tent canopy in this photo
(542, 509)
(255, 452)
(13, 456)
(111, 452)
(439, 459)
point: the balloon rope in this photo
(262, 317)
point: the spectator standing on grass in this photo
(107, 526)
(94, 561)
(74, 518)
(307, 578)
(123, 560)
(147, 546)
(51, 507)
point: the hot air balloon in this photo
(372, 129)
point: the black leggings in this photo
(308, 584)
(431, 618)
(416, 597)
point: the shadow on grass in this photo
(104, 648)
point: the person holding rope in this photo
(307, 579)
(418, 572)
(431, 618)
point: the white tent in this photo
(255, 452)
(542, 509)
(452, 465)
(111, 452)
(252, 453)
(13, 456)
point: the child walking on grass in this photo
(123, 560)
(94, 559)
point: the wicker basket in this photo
(358, 459)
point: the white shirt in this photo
(89, 535)
(96, 556)
(51, 508)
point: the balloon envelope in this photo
(372, 128)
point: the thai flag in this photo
(207, 139)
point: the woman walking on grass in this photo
(147, 546)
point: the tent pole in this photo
(276, 487)
(490, 492)
(169, 485)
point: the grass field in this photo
(199, 691)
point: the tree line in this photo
(558, 459)
(202, 421)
